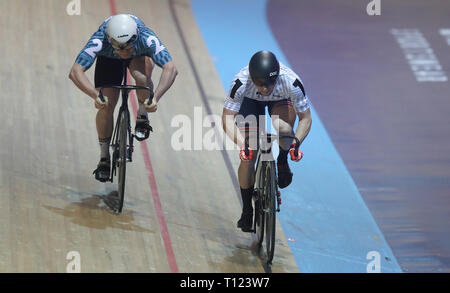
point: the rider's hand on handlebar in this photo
(292, 153)
(246, 157)
(152, 107)
(99, 104)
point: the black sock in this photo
(282, 156)
(246, 195)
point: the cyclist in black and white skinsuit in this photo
(265, 82)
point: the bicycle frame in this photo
(265, 157)
(122, 139)
(115, 141)
(265, 191)
(125, 89)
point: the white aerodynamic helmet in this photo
(121, 31)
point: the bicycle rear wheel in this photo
(122, 159)
(269, 211)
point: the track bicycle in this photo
(122, 142)
(266, 196)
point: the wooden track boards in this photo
(50, 202)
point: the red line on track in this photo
(112, 4)
(151, 178)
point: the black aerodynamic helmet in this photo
(264, 68)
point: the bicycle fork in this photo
(257, 209)
(115, 147)
(278, 195)
(130, 147)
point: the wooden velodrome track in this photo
(181, 206)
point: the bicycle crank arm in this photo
(129, 155)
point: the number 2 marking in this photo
(93, 50)
(158, 45)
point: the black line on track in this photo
(209, 111)
(204, 98)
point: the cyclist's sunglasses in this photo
(265, 82)
(117, 46)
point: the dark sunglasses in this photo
(118, 46)
(265, 82)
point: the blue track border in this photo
(327, 224)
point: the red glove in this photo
(243, 156)
(292, 150)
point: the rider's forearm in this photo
(230, 127)
(167, 78)
(80, 79)
(304, 126)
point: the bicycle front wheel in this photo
(122, 159)
(270, 193)
(259, 218)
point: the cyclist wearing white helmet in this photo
(122, 37)
(121, 31)
(265, 82)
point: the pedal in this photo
(102, 177)
(129, 153)
(139, 136)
